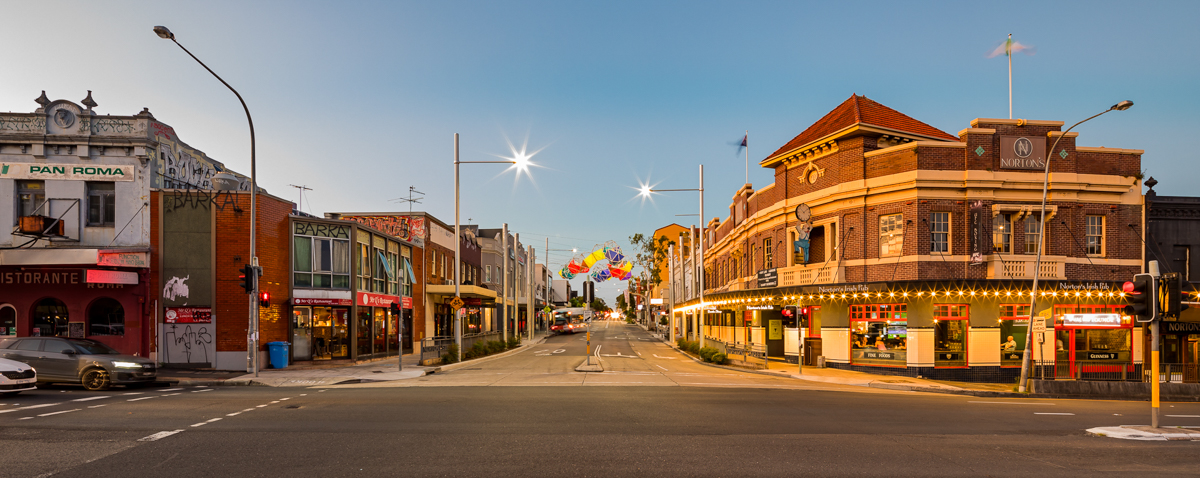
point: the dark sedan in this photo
(88, 362)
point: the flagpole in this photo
(1008, 52)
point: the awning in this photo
(471, 291)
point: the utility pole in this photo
(504, 282)
(1155, 347)
(529, 293)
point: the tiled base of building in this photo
(969, 374)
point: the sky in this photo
(360, 100)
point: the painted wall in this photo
(187, 278)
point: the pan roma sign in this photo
(80, 172)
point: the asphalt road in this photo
(530, 414)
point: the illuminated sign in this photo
(1093, 320)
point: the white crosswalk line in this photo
(60, 411)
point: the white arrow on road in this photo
(618, 354)
(668, 358)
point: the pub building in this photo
(1173, 231)
(345, 279)
(887, 245)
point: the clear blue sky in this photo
(360, 100)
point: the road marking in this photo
(1013, 403)
(234, 414)
(276, 401)
(1051, 413)
(282, 399)
(1184, 416)
(89, 398)
(248, 410)
(25, 418)
(668, 358)
(199, 424)
(171, 394)
(214, 419)
(660, 366)
(133, 393)
(205, 390)
(136, 399)
(98, 406)
(260, 406)
(30, 407)
(160, 435)
(171, 390)
(58, 412)
(303, 394)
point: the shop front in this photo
(321, 328)
(377, 327)
(1092, 340)
(106, 305)
(1180, 350)
(879, 335)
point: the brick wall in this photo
(232, 252)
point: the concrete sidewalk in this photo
(312, 376)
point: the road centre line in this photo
(133, 393)
(276, 401)
(1013, 403)
(171, 390)
(159, 435)
(1051, 413)
(199, 424)
(58, 412)
(1184, 416)
(660, 366)
(248, 410)
(234, 414)
(205, 390)
(98, 406)
(171, 394)
(30, 407)
(136, 399)
(260, 406)
(87, 399)
(214, 419)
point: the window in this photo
(30, 195)
(487, 271)
(364, 267)
(879, 334)
(1033, 226)
(50, 318)
(939, 232)
(950, 335)
(891, 235)
(8, 320)
(1094, 236)
(1014, 329)
(106, 317)
(1002, 234)
(101, 197)
(320, 262)
(768, 259)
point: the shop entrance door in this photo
(302, 333)
(407, 338)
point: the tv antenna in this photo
(410, 199)
(302, 188)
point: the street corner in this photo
(595, 366)
(1147, 433)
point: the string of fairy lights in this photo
(948, 294)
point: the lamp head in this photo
(164, 33)
(1122, 106)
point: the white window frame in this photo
(1033, 219)
(949, 224)
(1006, 244)
(1087, 235)
(893, 233)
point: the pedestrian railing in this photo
(435, 347)
(1086, 371)
(469, 340)
(1178, 373)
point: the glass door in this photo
(301, 333)
(339, 342)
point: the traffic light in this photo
(264, 299)
(1141, 295)
(395, 308)
(1172, 295)
(248, 277)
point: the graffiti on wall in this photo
(405, 228)
(187, 345)
(198, 198)
(176, 287)
(180, 166)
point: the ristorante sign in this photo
(79, 172)
(376, 300)
(1023, 152)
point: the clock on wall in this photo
(803, 213)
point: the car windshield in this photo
(91, 347)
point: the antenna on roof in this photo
(410, 199)
(302, 188)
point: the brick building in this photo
(887, 244)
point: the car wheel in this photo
(96, 379)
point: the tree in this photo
(621, 302)
(650, 254)
(599, 306)
(577, 301)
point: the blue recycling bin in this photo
(279, 354)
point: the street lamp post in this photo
(1037, 268)
(521, 161)
(646, 191)
(252, 333)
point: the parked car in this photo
(16, 377)
(94, 365)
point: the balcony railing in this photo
(1021, 267)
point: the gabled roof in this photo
(865, 111)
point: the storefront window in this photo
(879, 334)
(329, 333)
(1014, 327)
(8, 320)
(321, 262)
(380, 338)
(363, 334)
(950, 335)
(1091, 333)
(106, 317)
(50, 318)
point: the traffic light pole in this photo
(1155, 347)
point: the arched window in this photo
(8, 320)
(50, 318)
(106, 317)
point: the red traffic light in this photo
(1129, 287)
(264, 299)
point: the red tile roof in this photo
(861, 110)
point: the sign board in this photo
(1093, 320)
(768, 278)
(76, 330)
(123, 259)
(456, 303)
(760, 307)
(774, 330)
(188, 315)
(978, 233)
(377, 300)
(406, 302)
(1039, 326)
(656, 302)
(94, 276)
(64, 171)
(1023, 152)
(320, 301)
(1180, 327)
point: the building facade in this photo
(888, 245)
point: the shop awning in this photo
(469, 291)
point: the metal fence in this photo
(435, 347)
(749, 353)
(1108, 371)
(469, 340)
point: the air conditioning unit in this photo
(40, 225)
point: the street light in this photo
(1037, 268)
(252, 339)
(645, 191)
(521, 162)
